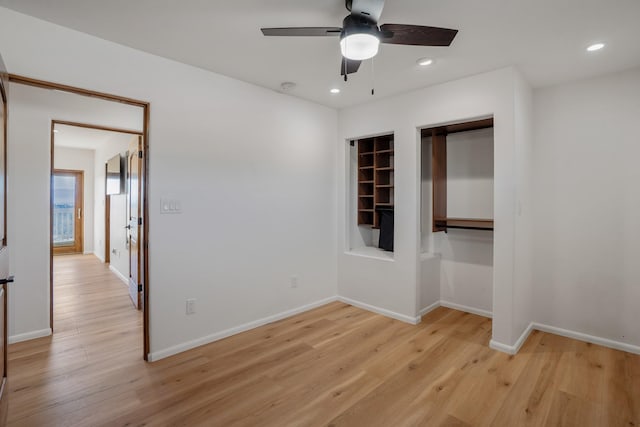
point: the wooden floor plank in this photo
(335, 365)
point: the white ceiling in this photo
(86, 138)
(546, 39)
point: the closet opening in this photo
(457, 207)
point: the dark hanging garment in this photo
(386, 229)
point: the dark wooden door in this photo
(4, 256)
(134, 195)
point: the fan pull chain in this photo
(373, 79)
(344, 61)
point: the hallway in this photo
(96, 344)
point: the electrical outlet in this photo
(191, 306)
(294, 281)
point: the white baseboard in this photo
(161, 354)
(382, 311)
(87, 253)
(468, 309)
(29, 336)
(120, 275)
(429, 308)
(509, 349)
(513, 349)
(617, 345)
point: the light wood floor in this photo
(336, 365)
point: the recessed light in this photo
(335, 90)
(595, 46)
(424, 62)
(56, 131)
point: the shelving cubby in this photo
(375, 178)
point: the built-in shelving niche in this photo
(375, 178)
(371, 193)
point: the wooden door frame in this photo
(79, 197)
(146, 108)
(4, 100)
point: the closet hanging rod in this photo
(465, 227)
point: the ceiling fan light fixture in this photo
(359, 46)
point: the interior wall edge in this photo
(381, 311)
(29, 336)
(429, 308)
(188, 345)
(120, 276)
(467, 309)
(605, 342)
(515, 348)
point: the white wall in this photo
(119, 258)
(470, 174)
(115, 144)
(29, 162)
(394, 285)
(523, 263)
(80, 159)
(254, 171)
(587, 206)
(466, 268)
(429, 286)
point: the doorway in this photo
(112, 161)
(67, 211)
(60, 103)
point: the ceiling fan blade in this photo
(302, 31)
(416, 35)
(349, 66)
(368, 8)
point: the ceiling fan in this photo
(360, 36)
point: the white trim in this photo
(161, 354)
(120, 275)
(617, 345)
(468, 309)
(87, 253)
(429, 308)
(513, 349)
(379, 255)
(29, 336)
(382, 311)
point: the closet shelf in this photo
(367, 153)
(384, 151)
(366, 195)
(385, 169)
(384, 186)
(366, 182)
(365, 167)
(465, 223)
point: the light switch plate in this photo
(170, 206)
